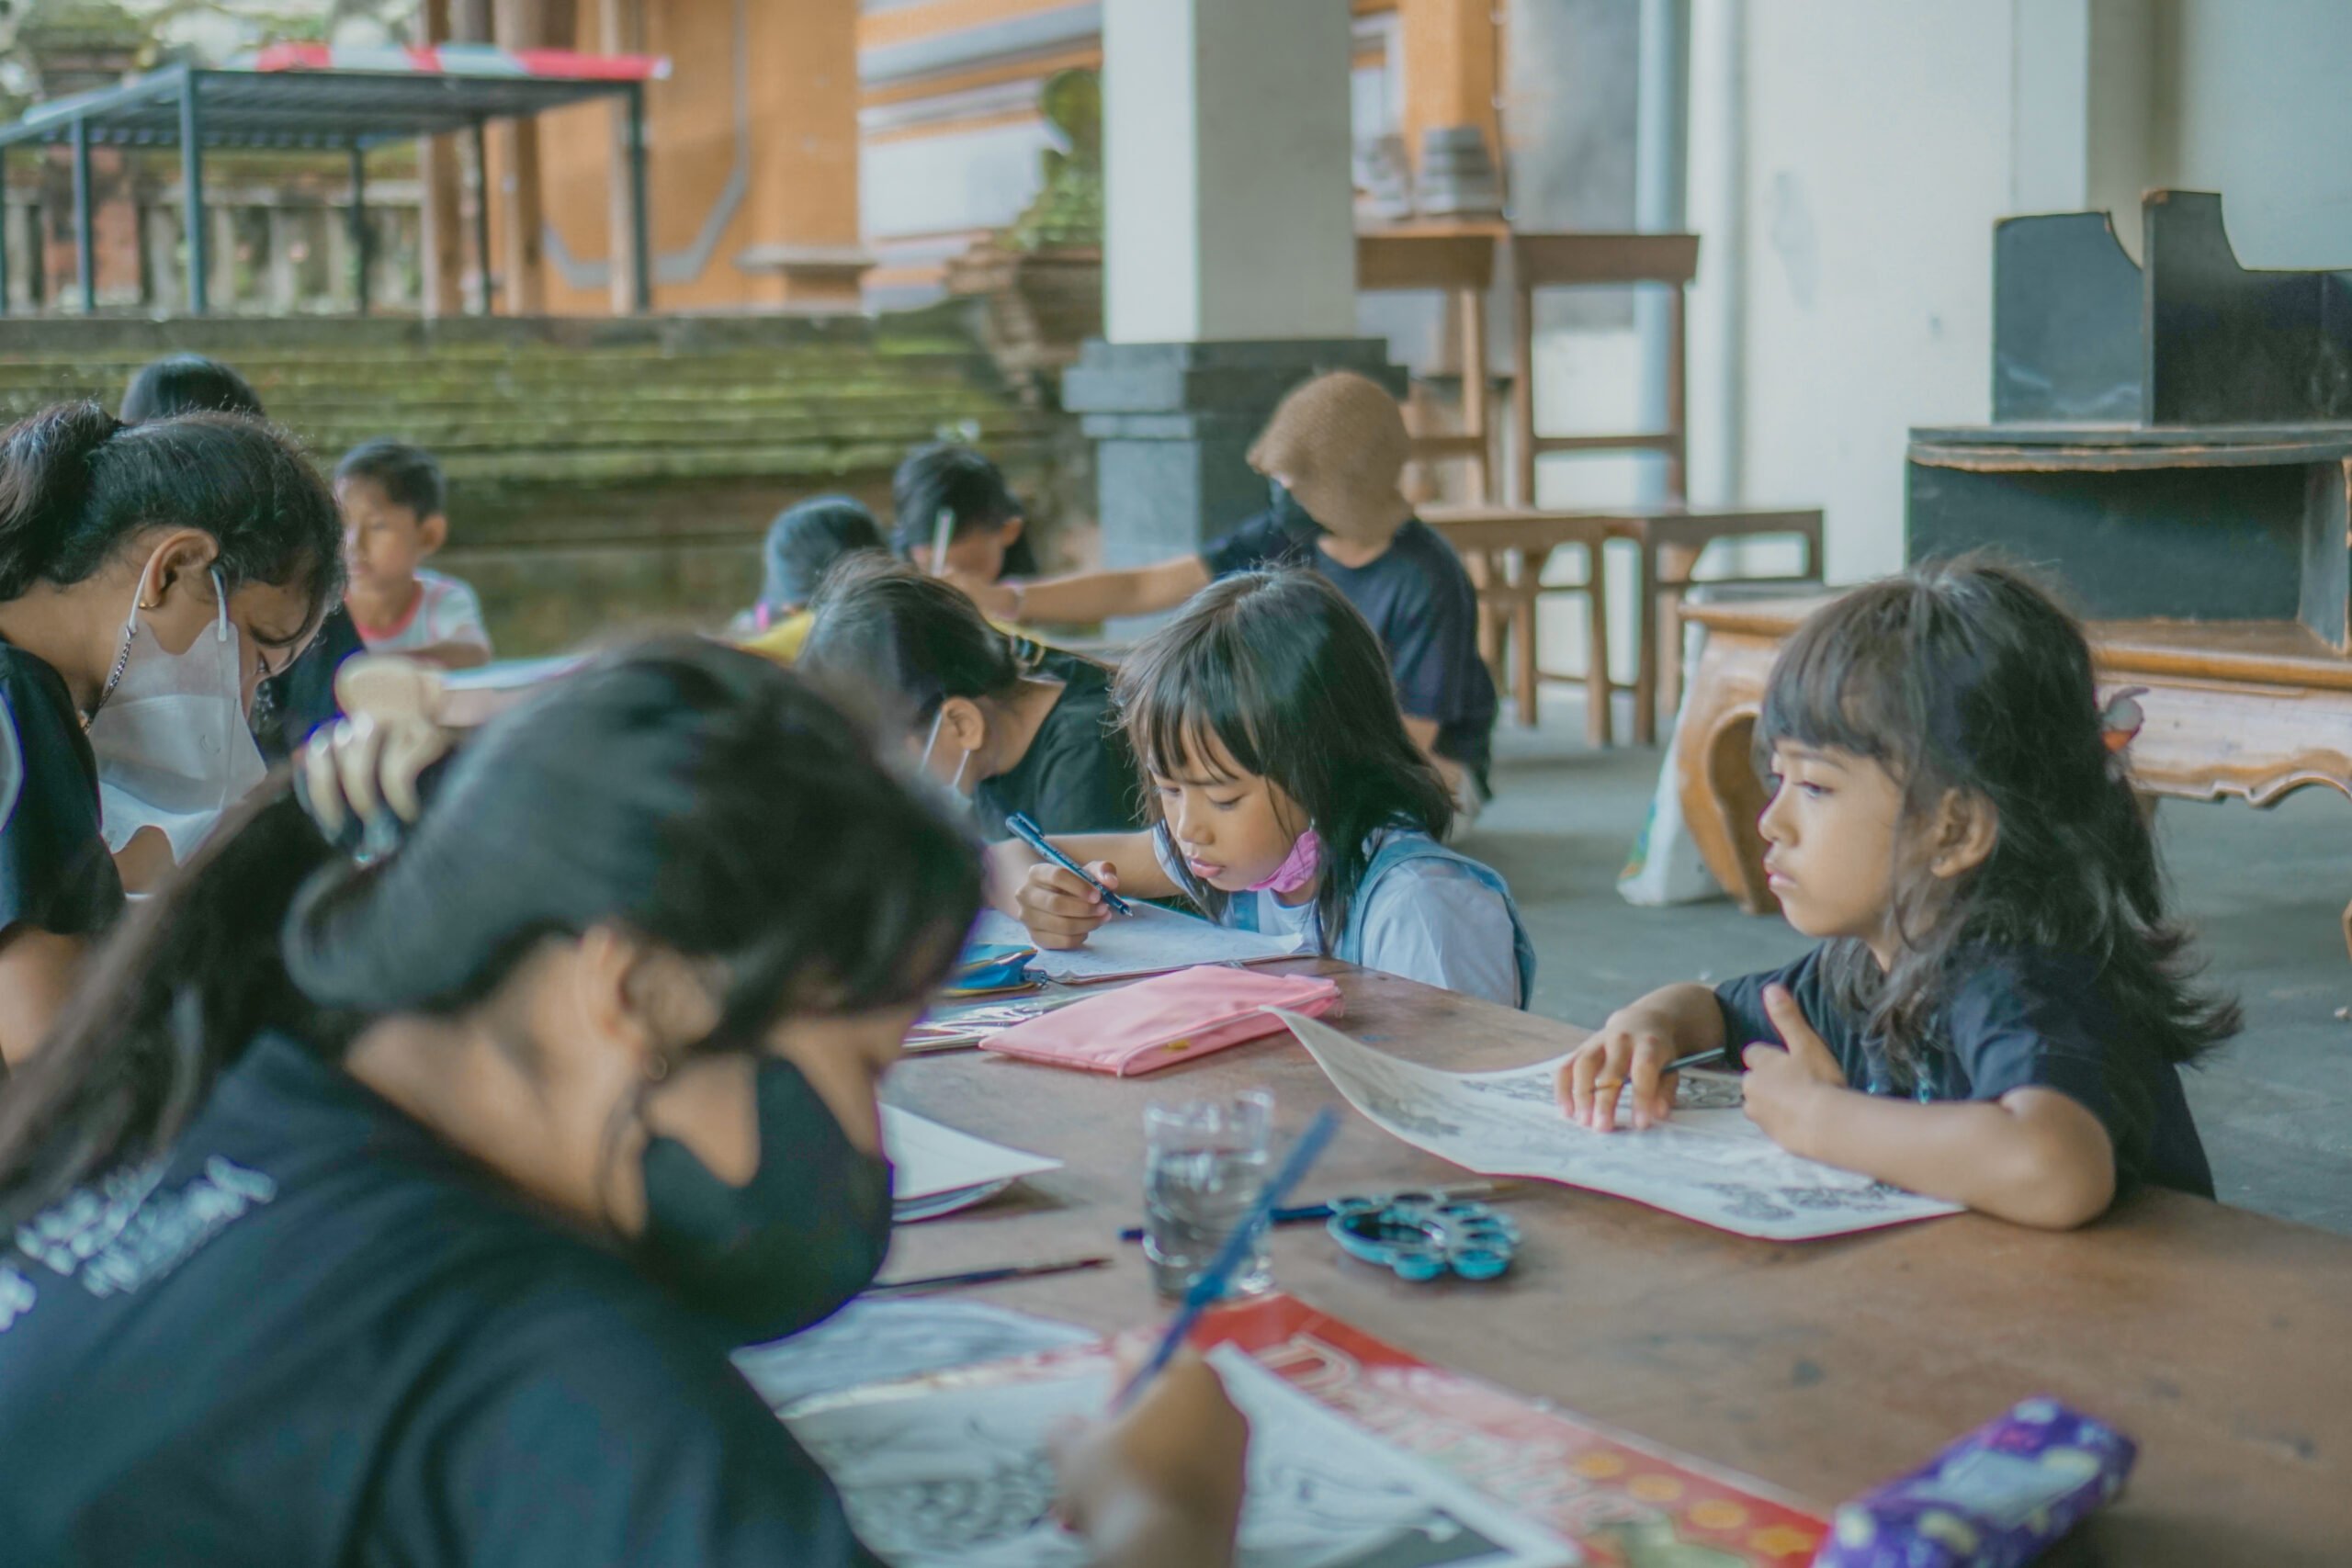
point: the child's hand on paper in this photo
(1162, 1483)
(1785, 1089)
(1629, 1051)
(1060, 908)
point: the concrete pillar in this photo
(514, 148)
(2082, 108)
(620, 29)
(1229, 255)
(279, 288)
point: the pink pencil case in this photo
(1168, 1019)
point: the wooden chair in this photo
(1458, 261)
(1669, 537)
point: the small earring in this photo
(656, 1069)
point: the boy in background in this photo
(394, 517)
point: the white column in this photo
(1229, 199)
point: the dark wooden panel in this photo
(2327, 554)
(2195, 544)
(2229, 344)
(2066, 315)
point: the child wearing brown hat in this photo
(1333, 453)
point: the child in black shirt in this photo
(1951, 812)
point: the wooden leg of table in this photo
(1598, 727)
(1487, 581)
(1525, 679)
(1646, 617)
(1716, 776)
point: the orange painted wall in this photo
(801, 71)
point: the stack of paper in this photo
(1152, 940)
(937, 1170)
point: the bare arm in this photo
(450, 655)
(1632, 1048)
(38, 969)
(1423, 733)
(2034, 1156)
(1088, 596)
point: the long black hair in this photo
(696, 796)
(1288, 676)
(1966, 677)
(76, 484)
(910, 638)
(945, 477)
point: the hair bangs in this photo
(1189, 706)
(1839, 685)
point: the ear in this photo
(1011, 531)
(602, 963)
(1966, 829)
(174, 561)
(675, 999)
(433, 533)
(962, 725)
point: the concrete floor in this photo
(2264, 891)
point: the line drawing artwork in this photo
(939, 1476)
(1709, 1163)
(883, 1341)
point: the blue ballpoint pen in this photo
(1027, 832)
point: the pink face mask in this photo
(1299, 868)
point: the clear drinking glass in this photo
(1204, 1166)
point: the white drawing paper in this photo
(1149, 941)
(936, 1169)
(884, 1341)
(960, 1476)
(1708, 1162)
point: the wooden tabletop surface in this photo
(2219, 1339)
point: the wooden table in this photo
(2221, 1340)
(1507, 547)
(2251, 710)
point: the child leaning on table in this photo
(1286, 797)
(2000, 1000)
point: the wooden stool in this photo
(1670, 536)
(1512, 544)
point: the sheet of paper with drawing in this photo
(1708, 1162)
(1149, 942)
(935, 1169)
(938, 1477)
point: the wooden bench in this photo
(2213, 1337)
(2247, 710)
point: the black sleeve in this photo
(1089, 783)
(55, 873)
(589, 1435)
(2035, 1021)
(1746, 1022)
(1260, 542)
(303, 697)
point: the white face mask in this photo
(952, 793)
(173, 748)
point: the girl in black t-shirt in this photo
(2002, 1000)
(166, 568)
(405, 1210)
(987, 527)
(1015, 726)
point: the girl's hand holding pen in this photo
(1058, 906)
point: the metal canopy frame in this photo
(196, 109)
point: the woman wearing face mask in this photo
(405, 1212)
(1016, 726)
(150, 576)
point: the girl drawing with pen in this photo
(406, 1210)
(2000, 1003)
(1286, 798)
